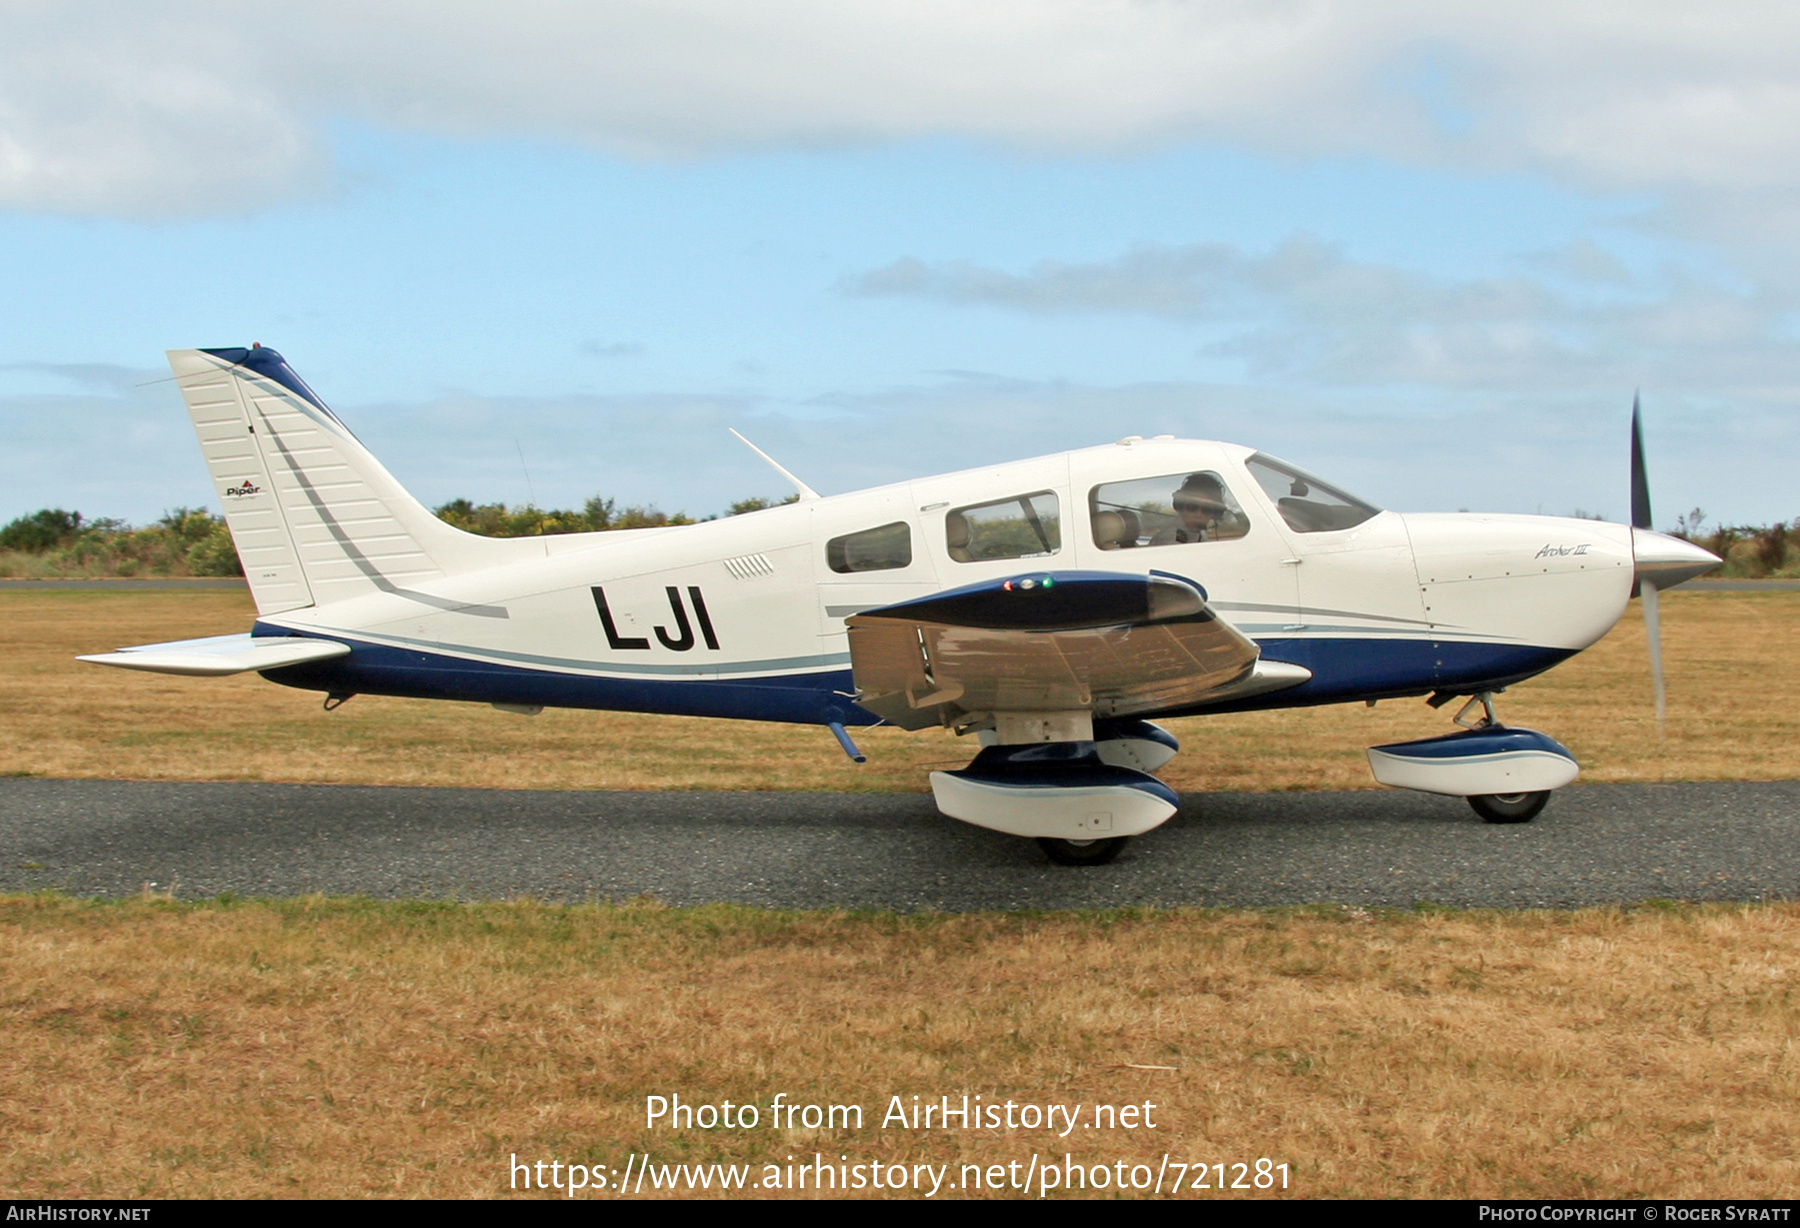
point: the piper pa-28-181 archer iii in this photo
(1052, 607)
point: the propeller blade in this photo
(1659, 560)
(1640, 479)
(1653, 633)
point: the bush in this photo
(1772, 546)
(51, 542)
(214, 555)
(757, 503)
(40, 531)
(1750, 552)
(596, 516)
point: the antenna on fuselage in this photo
(806, 492)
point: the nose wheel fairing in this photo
(1495, 759)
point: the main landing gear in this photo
(1507, 773)
(1079, 787)
(1081, 852)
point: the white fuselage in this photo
(745, 616)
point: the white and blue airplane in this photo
(1050, 607)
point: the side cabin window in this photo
(883, 549)
(1307, 504)
(1021, 527)
(1170, 510)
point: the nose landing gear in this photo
(1499, 807)
(1507, 773)
(1509, 807)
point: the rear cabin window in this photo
(1307, 504)
(887, 548)
(1171, 510)
(1022, 527)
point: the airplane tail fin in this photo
(315, 517)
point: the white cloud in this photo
(158, 107)
(597, 348)
(1305, 312)
(113, 111)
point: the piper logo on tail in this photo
(242, 489)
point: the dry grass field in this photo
(346, 1048)
(1732, 667)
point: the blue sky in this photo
(1432, 263)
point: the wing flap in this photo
(1110, 644)
(219, 655)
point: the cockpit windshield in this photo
(1307, 504)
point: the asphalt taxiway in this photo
(1595, 844)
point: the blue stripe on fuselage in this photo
(1347, 670)
(377, 669)
(1344, 670)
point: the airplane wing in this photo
(1115, 645)
(218, 655)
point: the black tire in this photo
(1082, 852)
(1509, 807)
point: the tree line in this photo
(597, 515)
(188, 541)
(1750, 551)
(191, 541)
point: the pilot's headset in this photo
(1204, 489)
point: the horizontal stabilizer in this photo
(219, 655)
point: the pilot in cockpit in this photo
(1199, 506)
